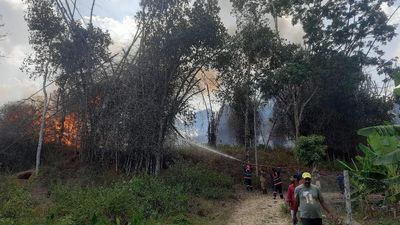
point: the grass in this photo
(376, 218)
(198, 188)
(186, 193)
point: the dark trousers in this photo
(278, 189)
(247, 182)
(317, 221)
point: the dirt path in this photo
(258, 209)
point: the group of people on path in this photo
(275, 177)
(303, 198)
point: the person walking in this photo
(309, 200)
(290, 198)
(247, 175)
(277, 183)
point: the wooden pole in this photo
(347, 197)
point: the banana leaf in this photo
(373, 176)
(345, 166)
(383, 144)
(382, 130)
(395, 197)
(368, 152)
(388, 159)
(392, 181)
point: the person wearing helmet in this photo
(309, 201)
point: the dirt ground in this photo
(258, 209)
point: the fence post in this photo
(347, 196)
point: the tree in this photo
(41, 62)
(292, 86)
(178, 41)
(210, 85)
(242, 65)
(348, 105)
(71, 54)
(349, 27)
(127, 105)
(19, 135)
(339, 37)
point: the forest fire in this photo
(65, 133)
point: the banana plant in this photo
(378, 170)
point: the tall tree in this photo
(251, 51)
(339, 33)
(177, 41)
(292, 86)
(41, 63)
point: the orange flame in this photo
(70, 136)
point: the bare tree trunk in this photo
(246, 114)
(43, 120)
(271, 131)
(158, 164)
(274, 15)
(159, 147)
(296, 116)
(116, 161)
(62, 121)
(255, 137)
(298, 110)
(212, 138)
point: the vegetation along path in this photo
(258, 209)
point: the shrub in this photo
(311, 149)
(200, 181)
(143, 195)
(16, 205)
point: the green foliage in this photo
(284, 209)
(340, 25)
(143, 200)
(199, 181)
(311, 149)
(377, 171)
(338, 110)
(124, 202)
(16, 205)
(240, 100)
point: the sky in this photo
(116, 16)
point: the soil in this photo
(258, 209)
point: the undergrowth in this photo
(169, 199)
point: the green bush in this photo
(311, 149)
(141, 200)
(144, 195)
(200, 181)
(16, 205)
